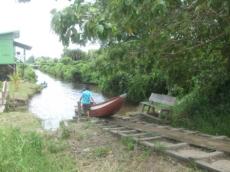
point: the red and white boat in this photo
(107, 108)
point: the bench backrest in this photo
(164, 99)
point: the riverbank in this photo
(76, 146)
(24, 145)
(19, 98)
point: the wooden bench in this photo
(164, 112)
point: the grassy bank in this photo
(77, 147)
(19, 95)
(24, 146)
(24, 91)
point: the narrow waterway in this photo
(57, 101)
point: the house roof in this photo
(15, 34)
(21, 45)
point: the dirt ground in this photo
(96, 150)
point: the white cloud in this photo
(33, 21)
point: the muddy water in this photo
(57, 101)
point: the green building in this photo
(7, 53)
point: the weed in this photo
(146, 152)
(159, 147)
(194, 167)
(101, 151)
(65, 132)
(88, 124)
(81, 136)
(129, 142)
(56, 147)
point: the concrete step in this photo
(219, 164)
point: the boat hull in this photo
(107, 108)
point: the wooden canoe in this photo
(104, 109)
(108, 107)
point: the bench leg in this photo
(143, 108)
(165, 114)
(149, 107)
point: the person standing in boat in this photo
(86, 99)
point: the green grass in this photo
(25, 90)
(56, 146)
(21, 120)
(145, 153)
(23, 149)
(207, 119)
(102, 151)
(65, 131)
(22, 152)
(159, 147)
(129, 143)
(88, 125)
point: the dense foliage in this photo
(26, 72)
(67, 69)
(173, 47)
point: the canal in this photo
(57, 101)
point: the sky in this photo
(32, 20)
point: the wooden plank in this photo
(164, 99)
(147, 103)
(157, 120)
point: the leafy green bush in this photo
(30, 75)
(26, 72)
(15, 79)
(116, 84)
(208, 113)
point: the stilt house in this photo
(7, 53)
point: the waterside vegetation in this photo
(179, 48)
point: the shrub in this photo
(26, 72)
(30, 75)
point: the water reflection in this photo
(56, 102)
